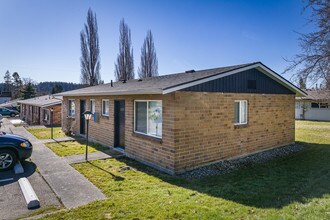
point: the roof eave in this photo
(113, 93)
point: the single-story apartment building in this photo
(182, 121)
(315, 106)
(37, 111)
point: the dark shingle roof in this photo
(161, 84)
(42, 101)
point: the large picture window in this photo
(105, 107)
(148, 117)
(241, 112)
(72, 108)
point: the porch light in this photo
(88, 115)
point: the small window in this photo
(46, 114)
(92, 106)
(241, 112)
(105, 107)
(324, 105)
(252, 84)
(315, 105)
(72, 108)
(148, 117)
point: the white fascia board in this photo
(259, 66)
(270, 73)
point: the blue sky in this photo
(40, 38)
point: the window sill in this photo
(148, 137)
(72, 117)
(238, 126)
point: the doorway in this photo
(82, 117)
(119, 114)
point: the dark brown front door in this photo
(119, 123)
(82, 117)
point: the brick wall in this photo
(34, 115)
(205, 130)
(151, 151)
(198, 128)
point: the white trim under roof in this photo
(265, 70)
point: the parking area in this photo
(12, 203)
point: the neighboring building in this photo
(37, 111)
(5, 97)
(182, 121)
(12, 104)
(315, 106)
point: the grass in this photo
(45, 133)
(69, 148)
(294, 187)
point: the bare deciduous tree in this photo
(90, 51)
(149, 62)
(124, 68)
(313, 63)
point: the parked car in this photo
(12, 149)
(8, 112)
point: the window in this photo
(72, 108)
(92, 106)
(105, 107)
(315, 105)
(46, 114)
(148, 118)
(241, 108)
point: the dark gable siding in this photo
(238, 83)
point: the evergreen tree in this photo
(29, 91)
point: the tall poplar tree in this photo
(90, 51)
(149, 62)
(124, 68)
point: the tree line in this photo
(26, 88)
(124, 65)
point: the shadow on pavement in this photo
(10, 176)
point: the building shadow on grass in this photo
(114, 177)
(274, 184)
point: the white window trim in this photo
(146, 134)
(240, 110)
(108, 107)
(46, 110)
(90, 102)
(71, 116)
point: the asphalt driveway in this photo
(12, 203)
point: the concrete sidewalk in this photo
(69, 185)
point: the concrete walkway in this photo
(58, 140)
(69, 185)
(93, 156)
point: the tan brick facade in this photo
(198, 128)
(35, 115)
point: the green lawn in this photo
(69, 148)
(295, 187)
(45, 133)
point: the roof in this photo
(42, 101)
(316, 94)
(170, 83)
(10, 103)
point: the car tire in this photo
(7, 159)
(12, 114)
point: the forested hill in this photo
(46, 87)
